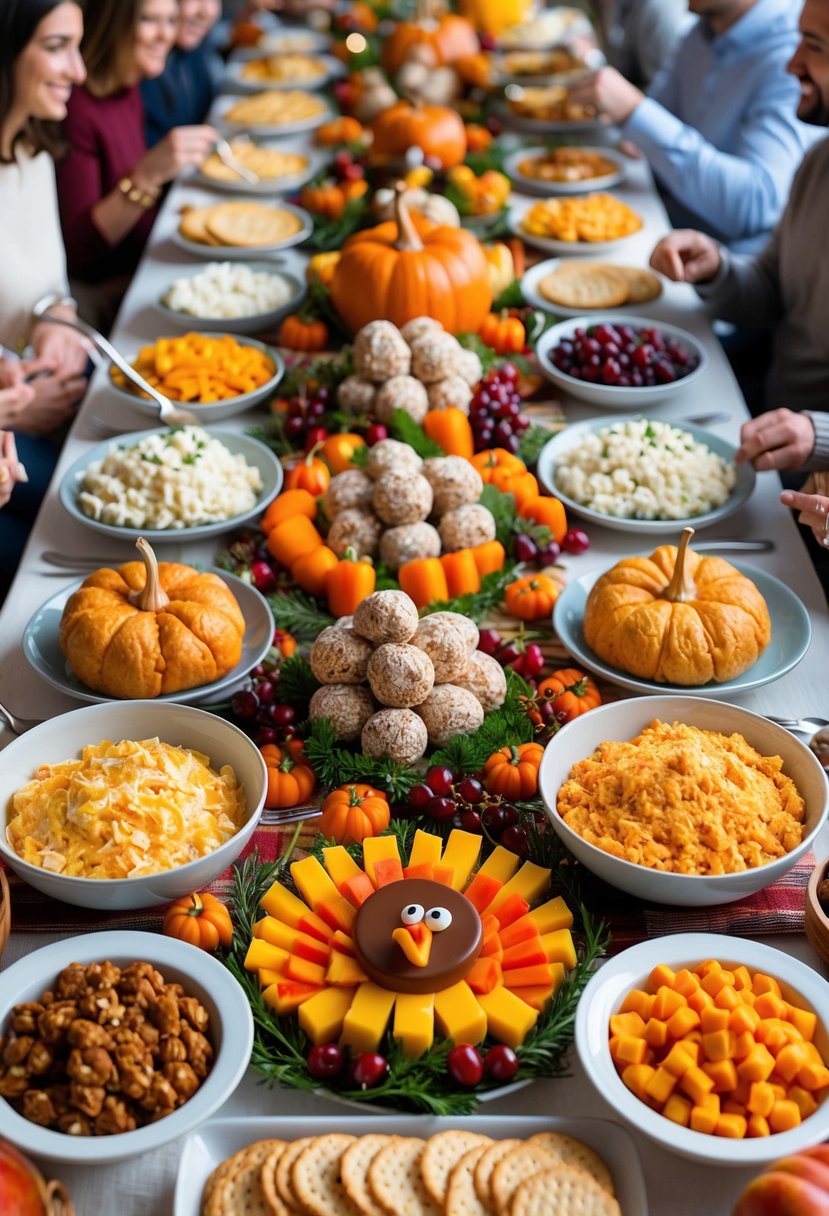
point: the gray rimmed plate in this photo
(236, 78)
(316, 159)
(569, 439)
(791, 633)
(530, 290)
(41, 645)
(254, 452)
(273, 130)
(565, 249)
(238, 253)
(249, 324)
(536, 185)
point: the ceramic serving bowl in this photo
(230, 1030)
(64, 737)
(622, 720)
(605, 993)
(816, 913)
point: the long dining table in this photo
(144, 1186)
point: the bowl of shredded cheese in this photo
(125, 806)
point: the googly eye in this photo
(412, 914)
(438, 919)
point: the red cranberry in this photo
(489, 641)
(465, 1065)
(316, 434)
(420, 796)
(576, 541)
(325, 1060)
(524, 548)
(283, 715)
(245, 704)
(265, 735)
(470, 790)
(375, 433)
(439, 780)
(501, 1063)
(369, 1069)
(263, 577)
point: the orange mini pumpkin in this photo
(512, 772)
(571, 692)
(291, 780)
(149, 628)
(353, 812)
(410, 267)
(438, 132)
(449, 37)
(200, 919)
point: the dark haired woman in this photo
(109, 184)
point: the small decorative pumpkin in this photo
(302, 333)
(532, 597)
(677, 618)
(438, 132)
(200, 919)
(434, 207)
(149, 628)
(410, 267)
(353, 812)
(342, 130)
(512, 772)
(571, 693)
(291, 780)
(448, 36)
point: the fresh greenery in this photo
(329, 235)
(321, 370)
(492, 157)
(336, 765)
(299, 614)
(297, 683)
(478, 604)
(485, 353)
(508, 725)
(404, 428)
(508, 523)
(510, 297)
(532, 441)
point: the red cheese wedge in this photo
(482, 891)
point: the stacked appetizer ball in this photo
(418, 368)
(399, 683)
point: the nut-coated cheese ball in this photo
(392, 456)
(349, 706)
(454, 481)
(340, 656)
(355, 395)
(401, 393)
(351, 488)
(445, 645)
(433, 356)
(399, 675)
(450, 393)
(448, 711)
(386, 616)
(381, 352)
(355, 529)
(408, 543)
(402, 498)
(485, 679)
(467, 526)
(396, 733)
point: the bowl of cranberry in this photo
(618, 361)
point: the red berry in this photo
(266, 734)
(549, 555)
(509, 814)
(515, 839)
(470, 791)
(441, 808)
(294, 427)
(489, 640)
(283, 715)
(465, 1065)
(375, 433)
(501, 1063)
(420, 796)
(266, 692)
(325, 1060)
(493, 821)
(263, 577)
(439, 780)
(316, 434)
(533, 660)
(575, 541)
(369, 1069)
(508, 655)
(244, 704)
(524, 548)
(470, 821)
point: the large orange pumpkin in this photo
(438, 132)
(449, 37)
(410, 267)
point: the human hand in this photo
(608, 90)
(181, 147)
(780, 439)
(11, 470)
(15, 395)
(686, 256)
(58, 349)
(814, 511)
(51, 403)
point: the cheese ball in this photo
(407, 543)
(355, 395)
(451, 393)
(392, 456)
(386, 616)
(380, 352)
(402, 498)
(485, 679)
(349, 706)
(468, 628)
(401, 393)
(399, 675)
(343, 622)
(340, 656)
(467, 526)
(433, 356)
(469, 367)
(445, 645)
(352, 488)
(418, 326)
(454, 481)
(355, 529)
(448, 711)
(396, 733)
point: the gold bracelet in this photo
(143, 198)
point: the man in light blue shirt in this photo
(718, 125)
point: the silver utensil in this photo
(803, 726)
(706, 419)
(225, 155)
(169, 413)
(68, 562)
(292, 815)
(737, 546)
(17, 726)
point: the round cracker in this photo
(315, 1175)
(487, 1163)
(282, 1177)
(267, 1180)
(643, 285)
(565, 1190)
(513, 1169)
(440, 1156)
(461, 1196)
(241, 1189)
(221, 1171)
(570, 1151)
(590, 286)
(396, 1181)
(247, 225)
(354, 1169)
(193, 225)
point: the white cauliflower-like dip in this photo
(224, 291)
(644, 469)
(170, 479)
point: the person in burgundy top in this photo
(109, 183)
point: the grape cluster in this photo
(303, 422)
(250, 557)
(467, 805)
(495, 410)
(256, 709)
(623, 356)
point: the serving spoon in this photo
(169, 413)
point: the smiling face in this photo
(49, 65)
(196, 18)
(155, 33)
(810, 63)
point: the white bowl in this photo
(611, 396)
(623, 720)
(630, 969)
(252, 323)
(212, 411)
(64, 737)
(536, 185)
(230, 1032)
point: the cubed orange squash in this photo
(801, 1097)
(678, 1061)
(803, 1020)
(770, 1005)
(667, 1002)
(662, 1083)
(764, 983)
(744, 1017)
(713, 1019)
(661, 975)
(744, 1044)
(682, 1022)
(784, 1115)
(723, 1073)
(627, 1049)
(719, 1045)
(678, 1110)
(731, 1127)
(703, 1119)
(760, 1098)
(757, 1125)
(696, 1084)
(627, 1023)
(656, 1032)
(686, 982)
(638, 1001)
(742, 978)
(727, 998)
(699, 1000)
(813, 1076)
(714, 980)
(636, 1078)
(758, 1064)
(790, 1059)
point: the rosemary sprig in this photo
(299, 614)
(335, 765)
(297, 683)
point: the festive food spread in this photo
(595, 217)
(269, 164)
(225, 290)
(198, 368)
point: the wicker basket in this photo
(5, 911)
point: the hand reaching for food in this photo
(11, 470)
(813, 510)
(686, 256)
(779, 439)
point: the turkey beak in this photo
(415, 941)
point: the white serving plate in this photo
(317, 161)
(590, 63)
(570, 438)
(534, 185)
(253, 323)
(204, 977)
(234, 79)
(547, 126)
(254, 452)
(240, 253)
(566, 249)
(41, 645)
(790, 639)
(630, 969)
(218, 1139)
(271, 129)
(531, 293)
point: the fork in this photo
(291, 815)
(225, 155)
(17, 726)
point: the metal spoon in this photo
(18, 726)
(804, 726)
(169, 413)
(225, 155)
(738, 546)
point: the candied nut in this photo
(89, 1065)
(84, 1033)
(53, 1024)
(13, 1081)
(164, 1015)
(170, 1049)
(136, 1077)
(161, 1097)
(192, 1009)
(39, 1108)
(24, 1017)
(71, 982)
(102, 1005)
(40, 1059)
(103, 975)
(133, 977)
(89, 1099)
(16, 1050)
(199, 1050)
(182, 1078)
(73, 1123)
(115, 1117)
